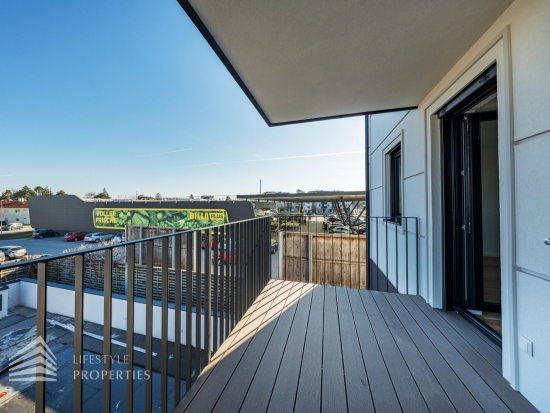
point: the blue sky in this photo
(127, 95)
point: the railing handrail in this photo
(226, 291)
(118, 245)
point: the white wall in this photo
(61, 301)
(17, 215)
(519, 42)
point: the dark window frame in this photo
(396, 184)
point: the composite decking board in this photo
(407, 391)
(484, 374)
(482, 392)
(357, 384)
(432, 392)
(457, 392)
(266, 296)
(382, 390)
(283, 395)
(476, 331)
(235, 392)
(482, 347)
(296, 377)
(333, 392)
(224, 369)
(308, 396)
(259, 392)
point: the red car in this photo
(74, 236)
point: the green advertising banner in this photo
(118, 218)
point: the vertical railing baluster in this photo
(407, 255)
(241, 272)
(130, 265)
(188, 310)
(215, 253)
(387, 263)
(417, 267)
(198, 305)
(227, 259)
(107, 321)
(249, 261)
(207, 296)
(396, 258)
(233, 277)
(78, 332)
(176, 248)
(149, 246)
(164, 327)
(223, 276)
(41, 309)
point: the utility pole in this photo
(260, 186)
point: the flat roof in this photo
(324, 196)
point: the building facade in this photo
(472, 163)
(15, 211)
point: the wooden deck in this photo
(311, 348)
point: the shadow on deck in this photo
(304, 347)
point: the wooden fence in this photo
(338, 260)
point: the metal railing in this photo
(334, 250)
(229, 275)
(393, 254)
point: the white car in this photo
(12, 251)
(121, 237)
(98, 237)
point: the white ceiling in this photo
(305, 59)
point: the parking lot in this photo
(52, 246)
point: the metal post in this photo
(367, 203)
(281, 253)
(78, 332)
(309, 257)
(41, 309)
(140, 250)
(130, 265)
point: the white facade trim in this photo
(497, 50)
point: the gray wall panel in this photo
(65, 213)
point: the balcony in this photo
(234, 340)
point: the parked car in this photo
(45, 233)
(274, 246)
(74, 236)
(12, 251)
(339, 230)
(121, 237)
(2, 257)
(13, 226)
(98, 237)
(17, 252)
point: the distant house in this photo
(15, 211)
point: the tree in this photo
(228, 198)
(103, 195)
(7, 195)
(24, 193)
(42, 191)
(158, 196)
(191, 196)
(62, 192)
(90, 195)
